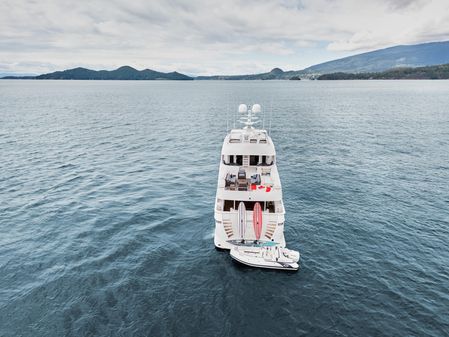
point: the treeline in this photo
(440, 72)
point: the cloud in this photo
(207, 36)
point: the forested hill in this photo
(440, 72)
(122, 73)
(418, 55)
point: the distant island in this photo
(440, 72)
(274, 74)
(122, 73)
(420, 61)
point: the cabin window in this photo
(253, 160)
(239, 160)
(228, 205)
(269, 206)
(265, 160)
(233, 205)
(249, 205)
(228, 160)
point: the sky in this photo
(205, 37)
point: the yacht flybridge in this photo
(249, 212)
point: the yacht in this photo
(248, 207)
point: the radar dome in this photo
(243, 108)
(256, 108)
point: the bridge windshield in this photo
(253, 160)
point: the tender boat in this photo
(249, 210)
(266, 256)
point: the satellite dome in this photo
(256, 108)
(243, 108)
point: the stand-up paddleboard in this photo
(242, 220)
(257, 220)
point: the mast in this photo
(250, 119)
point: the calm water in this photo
(106, 210)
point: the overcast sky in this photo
(206, 36)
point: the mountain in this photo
(274, 74)
(418, 55)
(122, 73)
(440, 72)
(406, 56)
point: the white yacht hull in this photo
(221, 239)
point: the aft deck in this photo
(248, 179)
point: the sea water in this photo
(107, 194)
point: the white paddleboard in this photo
(242, 220)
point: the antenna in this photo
(227, 115)
(263, 120)
(233, 115)
(271, 113)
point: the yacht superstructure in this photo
(248, 204)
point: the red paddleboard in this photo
(257, 220)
